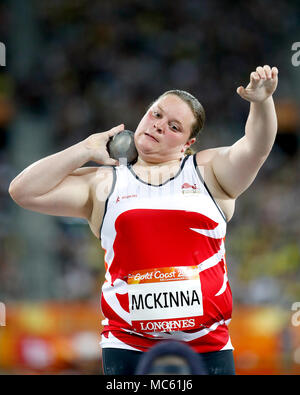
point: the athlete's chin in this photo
(150, 157)
(152, 153)
(145, 148)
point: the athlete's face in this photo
(163, 133)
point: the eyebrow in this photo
(174, 120)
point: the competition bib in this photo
(165, 299)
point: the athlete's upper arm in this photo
(236, 167)
(70, 198)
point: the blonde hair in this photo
(189, 151)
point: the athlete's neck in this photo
(144, 163)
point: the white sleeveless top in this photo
(166, 275)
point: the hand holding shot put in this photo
(108, 148)
(175, 226)
(96, 144)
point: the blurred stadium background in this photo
(74, 67)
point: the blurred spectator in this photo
(288, 127)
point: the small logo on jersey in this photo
(125, 197)
(188, 188)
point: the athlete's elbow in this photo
(13, 191)
(19, 194)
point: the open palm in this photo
(263, 83)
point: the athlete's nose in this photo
(159, 126)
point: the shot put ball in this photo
(122, 145)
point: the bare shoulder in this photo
(204, 161)
(205, 157)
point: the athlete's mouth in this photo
(153, 138)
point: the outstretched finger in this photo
(268, 71)
(254, 79)
(115, 130)
(241, 91)
(274, 72)
(261, 72)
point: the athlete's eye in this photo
(174, 127)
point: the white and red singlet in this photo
(166, 275)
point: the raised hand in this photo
(263, 83)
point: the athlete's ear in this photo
(190, 142)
